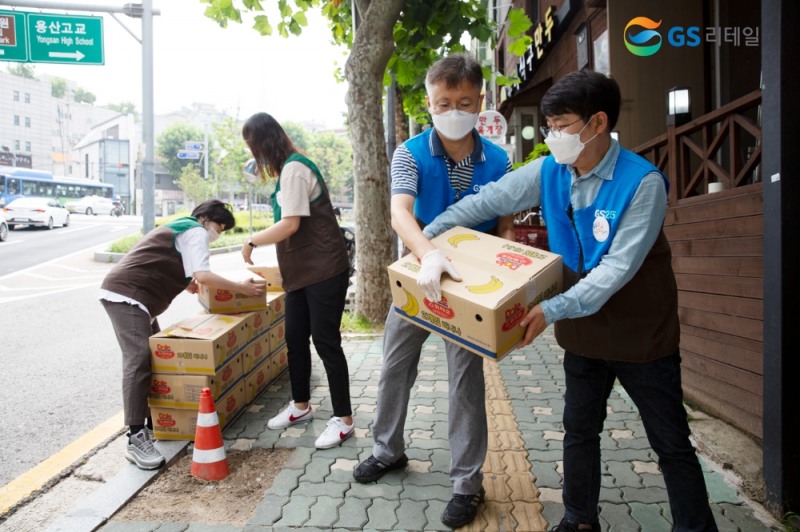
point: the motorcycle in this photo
(349, 236)
(118, 209)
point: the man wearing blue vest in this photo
(437, 168)
(617, 318)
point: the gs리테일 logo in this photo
(647, 41)
(635, 38)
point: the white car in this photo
(33, 211)
(90, 205)
(3, 227)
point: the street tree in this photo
(333, 155)
(399, 37)
(58, 88)
(174, 139)
(124, 108)
(22, 70)
(300, 136)
(83, 96)
(232, 155)
(195, 188)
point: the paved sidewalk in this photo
(316, 491)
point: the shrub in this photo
(233, 237)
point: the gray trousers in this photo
(133, 327)
(467, 425)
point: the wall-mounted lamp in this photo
(528, 132)
(679, 106)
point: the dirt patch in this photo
(179, 497)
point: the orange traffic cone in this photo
(208, 458)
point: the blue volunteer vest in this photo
(434, 193)
(597, 224)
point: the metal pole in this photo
(148, 128)
(128, 9)
(205, 151)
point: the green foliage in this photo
(58, 87)
(171, 140)
(233, 237)
(124, 108)
(539, 150)
(226, 169)
(125, 243)
(426, 31)
(356, 323)
(792, 522)
(299, 135)
(195, 188)
(23, 70)
(83, 96)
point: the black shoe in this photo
(462, 509)
(569, 526)
(372, 469)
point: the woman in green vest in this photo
(314, 265)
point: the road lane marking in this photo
(36, 478)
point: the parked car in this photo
(41, 212)
(3, 228)
(91, 205)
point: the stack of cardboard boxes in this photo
(236, 348)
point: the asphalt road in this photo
(61, 364)
(30, 246)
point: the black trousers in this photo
(315, 312)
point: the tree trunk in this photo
(372, 47)
(400, 119)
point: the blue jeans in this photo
(655, 388)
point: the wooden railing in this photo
(722, 146)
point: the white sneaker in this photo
(335, 433)
(290, 416)
(142, 452)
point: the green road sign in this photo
(13, 46)
(65, 39)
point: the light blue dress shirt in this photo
(520, 190)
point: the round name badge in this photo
(600, 229)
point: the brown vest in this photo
(151, 272)
(316, 252)
(639, 323)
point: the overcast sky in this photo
(233, 68)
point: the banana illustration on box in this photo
(455, 240)
(493, 285)
(411, 308)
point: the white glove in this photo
(433, 266)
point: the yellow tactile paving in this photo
(512, 499)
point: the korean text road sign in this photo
(13, 45)
(188, 154)
(65, 39)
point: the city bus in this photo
(15, 182)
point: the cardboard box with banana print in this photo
(501, 281)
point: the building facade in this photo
(37, 130)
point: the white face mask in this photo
(454, 124)
(567, 148)
(212, 235)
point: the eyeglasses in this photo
(556, 130)
(466, 107)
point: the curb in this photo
(96, 509)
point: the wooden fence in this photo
(718, 252)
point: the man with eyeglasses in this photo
(440, 167)
(617, 318)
